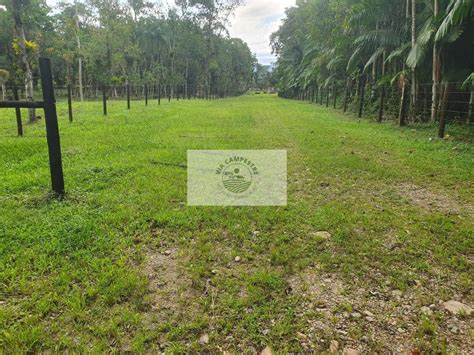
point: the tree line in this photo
(415, 54)
(93, 43)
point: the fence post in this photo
(104, 101)
(362, 94)
(159, 94)
(346, 95)
(146, 95)
(335, 96)
(402, 114)
(444, 107)
(69, 102)
(128, 96)
(470, 109)
(52, 129)
(382, 102)
(19, 124)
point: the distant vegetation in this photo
(111, 42)
(420, 49)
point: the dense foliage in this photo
(424, 47)
(110, 42)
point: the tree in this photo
(25, 49)
(4, 75)
(325, 43)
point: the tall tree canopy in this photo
(102, 42)
(416, 44)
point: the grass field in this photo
(123, 264)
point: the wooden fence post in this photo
(52, 129)
(19, 124)
(444, 108)
(346, 95)
(69, 102)
(382, 103)
(402, 114)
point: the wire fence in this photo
(119, 92)
(454, 103)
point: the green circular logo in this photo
(237, 178)
(237, 174)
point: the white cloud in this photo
(255, 21)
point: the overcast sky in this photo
(255, 21)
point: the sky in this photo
(255, 21)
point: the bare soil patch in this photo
(432, 201)
(171, 296)
(367, 318)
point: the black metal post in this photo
(19, 124)
(146, 95)
(128, 96)
(69, 102)
(104, 100)
(52, 129)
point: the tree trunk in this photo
(363, 80)
(413, 43)
(436, 72)
(3, 91)
(20, 32)
(79, 58)
(382, 91)
(444, 108)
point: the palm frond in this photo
(458, 11)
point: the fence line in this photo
(131, 93)
(457, 105)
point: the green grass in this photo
(73, 273)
